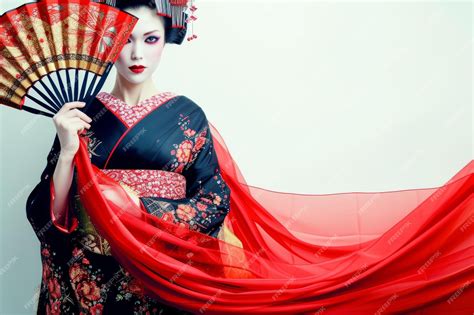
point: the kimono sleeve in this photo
(39, 203)
(207, 199)
(70, 222)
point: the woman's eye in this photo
(152, 39)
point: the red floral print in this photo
(189, 132)
(88, 292)
(201, 206)
(77, 273)
(54, 309)
(185, 212)
(96, 309)
(184, 151)
(54, 288)
(56, 301)
(200, 141)
(46, 272)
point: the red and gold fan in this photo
(58, 51)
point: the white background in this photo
(310, 97)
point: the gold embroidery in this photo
(92, 144)
(87, 233)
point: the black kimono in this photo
(159, 147)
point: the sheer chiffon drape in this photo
(284, 253)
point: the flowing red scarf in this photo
(283, 253)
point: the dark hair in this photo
(172, 35)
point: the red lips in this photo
(137, 68)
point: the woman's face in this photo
(144, 47)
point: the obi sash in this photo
(137, 183)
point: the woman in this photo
(400, 252)
(80, 276)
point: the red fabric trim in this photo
(106, 98)
(112, 111)
(74, 224)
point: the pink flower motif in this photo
(185, 212)
(199, 143)
(206, 199)
(46, 271)
(88, 291)
(45, 252)
(54, 288)
(54, 309)
(85, 261)
(77, 252)
(189, 132)
(184, 151)
(217, 200)
(135, 287)
(201, 206)
(76, 273)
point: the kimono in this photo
(159, 150)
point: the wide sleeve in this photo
(70, 221)
(39, 203)
(207, 199)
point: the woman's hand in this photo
(69, 122)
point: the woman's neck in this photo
(132, 94)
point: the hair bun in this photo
(174, 34)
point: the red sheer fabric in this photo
(283, 253)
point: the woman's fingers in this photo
(69, 122)
(78, 125)
(68, 106)
(74, 112)
(69, 111)
(74, 120)
(73, 107)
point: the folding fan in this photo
(54, 51)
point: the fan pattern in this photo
(38, 39)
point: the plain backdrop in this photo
(310, 97)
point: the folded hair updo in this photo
(172, 35)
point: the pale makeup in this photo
(144, 46)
